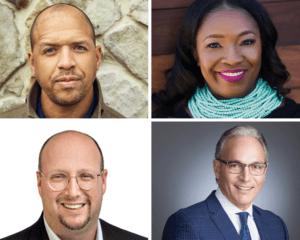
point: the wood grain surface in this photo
(168, 4)
(165, 24)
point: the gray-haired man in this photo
(240, 166)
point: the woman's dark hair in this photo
(186, 75)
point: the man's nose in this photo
(245, 174)
(232, 56)
(66, 59)
(72, 190)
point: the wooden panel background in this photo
(163, 4)
(165, 22)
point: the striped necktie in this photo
(245, 233)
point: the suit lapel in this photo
(221, 219)
(261, 224)
(38, 230)
(106, 231)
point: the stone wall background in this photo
(121, 28)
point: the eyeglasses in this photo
(86, 180)
(255, 169)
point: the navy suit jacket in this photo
(208, 220)
(38, 232)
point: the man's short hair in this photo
(87, 18)
(45, 143)
(240, 131)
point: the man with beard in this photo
(71, 182)
(64, 59)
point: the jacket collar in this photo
(32, 99)
(38, 230)
(220, 218)
(262, 225)
(225, 225)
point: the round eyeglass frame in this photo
(69, 177)
(245, 165)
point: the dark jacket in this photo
(28, 109)
(207, 220)
(38, 232)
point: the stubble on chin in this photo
(65, 97)
(66, 101)
(77, 226)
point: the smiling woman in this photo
(226, 65)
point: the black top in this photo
(291, 109)
(38, 232)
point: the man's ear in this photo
(39, 181)
(31, 62)
(217, 166)
(98, 56)
(104, 180)
(266, 167)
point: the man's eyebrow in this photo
(80, 171)
(83, 42)
(49, 44)
(222, 36)
(80, 42)
(57, 170)
(257, 163)
(234, 161)
(238, 161)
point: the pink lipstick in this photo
(232, 75)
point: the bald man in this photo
(64, 60)
(71, 182)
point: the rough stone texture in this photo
(11, 55)
(19, 3)
(78, 3)
(139, 11)
(10, 103)
(38, 8)
(130, 46)
(121, 70)
(131, 100)
(103, 14)
(14, 87)
(29, 21)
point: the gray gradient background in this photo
(182, 169)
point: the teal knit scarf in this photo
(257, 104)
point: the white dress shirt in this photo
(232, 211)
(53, 236)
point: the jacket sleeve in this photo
(285, 230)
(179, 227)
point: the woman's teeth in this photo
(232, 74)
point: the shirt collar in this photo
(32, 100)
(40, 113)
(53, 236)
(228, 207)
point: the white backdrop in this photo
(127, 156)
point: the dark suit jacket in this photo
(38, 232)
(208, 220)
